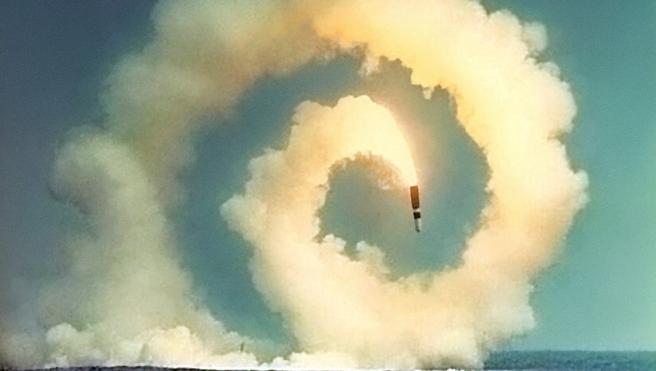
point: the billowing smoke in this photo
(137, 304)
(126, 299)
(352, 307)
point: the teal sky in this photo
(600, 293)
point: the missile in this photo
(414, 202)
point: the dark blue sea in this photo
(512, 360)
(571, 360)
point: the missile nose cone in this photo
(414, 202)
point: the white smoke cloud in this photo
(515, 109)
(203, 57)
(352, 307)
(126, 299)
(136, 303)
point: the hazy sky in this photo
(601, 293)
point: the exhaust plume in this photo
(514, 108)
(127, 300)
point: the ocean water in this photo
(512, 360)
(571, 360)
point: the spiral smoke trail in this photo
(127, 300)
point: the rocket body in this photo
(414, 202)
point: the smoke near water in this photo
(127, 300)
